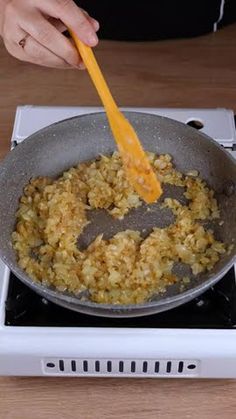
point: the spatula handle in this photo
(95, 74)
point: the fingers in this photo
(93, 22)
(73, 17)
(45, 21)
(40, 54)
(34, 52)
(57, 24)
(48, 36)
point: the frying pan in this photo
(56, 148)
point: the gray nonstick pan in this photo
(56, 148)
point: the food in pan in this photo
(128, 268)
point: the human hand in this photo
(32, 31)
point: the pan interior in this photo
(63, 145)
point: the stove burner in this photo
(215, 309)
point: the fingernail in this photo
(92, 39)
(96, 25)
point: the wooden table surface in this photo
(198, 72)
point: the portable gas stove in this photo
(197, 339)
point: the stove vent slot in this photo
(121, 367)
(73, 365)
(181, 367)
(61, 365)
(168, 367)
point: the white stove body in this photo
(116, 352)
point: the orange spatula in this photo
(138, 169)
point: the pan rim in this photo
(71, 298)
(201, 134)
